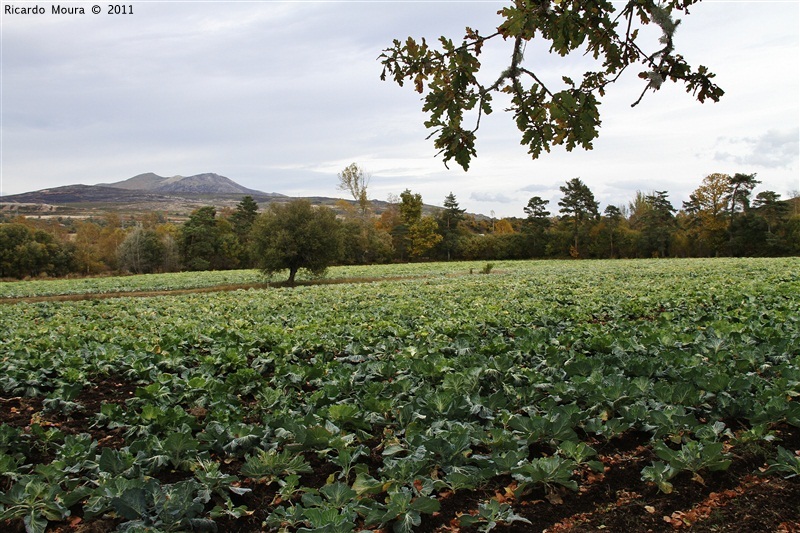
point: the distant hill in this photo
(177, 196)
(141, 193)
(81, 194)
(142, 182)
(208, 183)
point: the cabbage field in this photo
(537, 396)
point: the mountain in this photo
(148, 192)
(81, 194)
(178, 196)
(208, 183)
(142, 182)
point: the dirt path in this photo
(214, 288)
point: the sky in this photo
(281, 96)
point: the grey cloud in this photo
(535, 187)
(280, 96)
(774, 149)
(491, 197)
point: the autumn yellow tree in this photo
(707, 212)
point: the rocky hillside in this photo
(208, 183)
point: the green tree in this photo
(636, 210)
(365, 242)
(741, 233)
(782, 235)
(750, 236)
(769, 205)
(206, 242)
(26, 251)
(296, 235)
(410, 211)
(657, 224)
(537, 211)
(546, 115)
(242, 220)
(612, 219)
(422, 236)
(536, 224)
(199, 239)
(449, 220)
(410, 207)
(578, 208)
(741, 187)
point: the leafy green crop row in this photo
(195, 280)
(397, 390)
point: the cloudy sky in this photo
(281, 96)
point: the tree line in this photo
(722, 218)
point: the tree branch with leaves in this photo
(546, 116)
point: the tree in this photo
(503, 227)
(142, 251)
(364, 241)
(544, 114)
(536, 211)
(296, 235)
(410, 207)
(355, 180)
(199, 239)
(422, 236)
(657, 224)
(750, 236)
(613, 219)
(536, 224)
(97, 243)
(637, 209)
(741, 187)
(207, 242)
(242, 221)
(707, 209)
(410, 211)
(449, 219)
(245, 214)
(769, 205)
(578, 207)
(25, 251)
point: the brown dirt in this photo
(129, 294)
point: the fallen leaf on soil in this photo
(554, 498)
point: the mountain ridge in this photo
(146, 192)
(205, 183)
(149, 192)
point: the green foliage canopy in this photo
(296, 235)
(28, 252)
